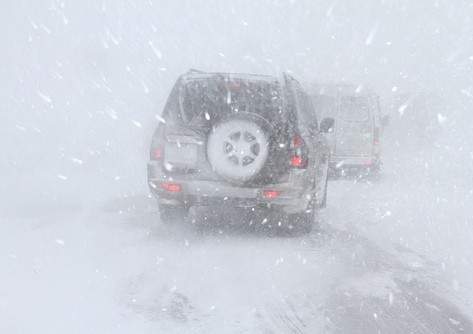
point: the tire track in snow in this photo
(332, 281)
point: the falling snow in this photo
(83, 247)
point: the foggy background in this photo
(81, 84)
(82, 81)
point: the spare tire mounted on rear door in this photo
(237, 149)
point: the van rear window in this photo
(355, 109)
(324, 105)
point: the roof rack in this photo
(193, 70)
(194, 73)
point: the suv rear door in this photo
(192, 111)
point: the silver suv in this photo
(242, 140)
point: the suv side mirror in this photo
(313, 128)
(327, 125)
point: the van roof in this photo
(337, 89)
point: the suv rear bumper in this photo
(291, 196)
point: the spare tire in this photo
(237, 149)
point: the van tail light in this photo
(376, 136)
(156, 153)
(171, 187)
(298, 153)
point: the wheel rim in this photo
(242, 148)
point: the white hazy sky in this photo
(84, 79)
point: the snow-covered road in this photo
(114, 268)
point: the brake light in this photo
(271, 194)
(298, 152)
(171, 187)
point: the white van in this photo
(355, 141)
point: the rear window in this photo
(324, 105)
(355, 109)
(211, 99)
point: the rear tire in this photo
(374, 170)
(376, 167)
(303, 222)
(172, 214)
(300, 223)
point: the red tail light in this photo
(271, 194)
(299, 152)
(171, 187)
(157, 143)
(297, 161)
(157, 153)
(376, 136)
